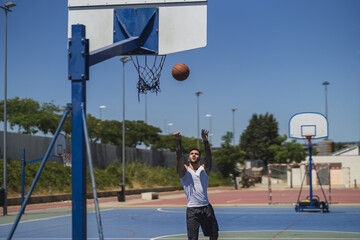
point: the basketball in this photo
(180, 72)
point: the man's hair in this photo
(196, 150)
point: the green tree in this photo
(261, 133)
(288, 152)
(94, 128)
(49, 119)
(137, 132)
(168, 142)
(29, 116)
(228, 157)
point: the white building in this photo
(344, 168)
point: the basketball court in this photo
(148, 30)
(164, 218)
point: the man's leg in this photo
(193, 224)
(209, 223)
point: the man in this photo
(194, 179)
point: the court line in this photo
(239, 238)
(222, 212)
(299, 220)
(48, 218)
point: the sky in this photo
(262, 56)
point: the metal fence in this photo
(103, 154)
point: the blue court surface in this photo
(169, 223)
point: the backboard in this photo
(178, 25)
(308, 124)
(60, 145)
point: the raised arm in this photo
(180, 166)
(208, 157)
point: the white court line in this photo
(235, 200)
(200, 237)
(220, 212)
(41, 219)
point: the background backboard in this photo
(302, 125)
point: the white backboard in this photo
(182, 24)
(303, 125)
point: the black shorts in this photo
(204, 217)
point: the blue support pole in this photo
(78, 74)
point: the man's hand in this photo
(177, 135)
(180, 166)
(204, 134)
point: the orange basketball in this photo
(180, 72)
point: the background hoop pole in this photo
(310, 172)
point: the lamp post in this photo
(6, 8)
(233, 111)
(210, 127)
(326, 83)
(198, 121)
(123, 60)
(146, 108)
(169, 125)
(101, 108)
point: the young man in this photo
(194, 179)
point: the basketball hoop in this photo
(149, 73)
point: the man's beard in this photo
(195, 162)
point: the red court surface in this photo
(221, 196)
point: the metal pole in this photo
(123, 60)
(233, 110)
(146, 108)
(198, 121)
(101, 108)
(5, 120)
(326, 83)
(6, 8)
(210, 126)
(23, 164)
(123, 129)
(310, 173)
(92, 176)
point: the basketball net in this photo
(67, 159)
(149, 73)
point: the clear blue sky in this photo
(261, 56)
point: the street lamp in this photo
(169, 125)
(6, 8)
(123, 60)
(233, 110)
(210, 128)
(146, 107)
(326, 83)
(101, 108)
(198, 121)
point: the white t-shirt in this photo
(195, 186)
